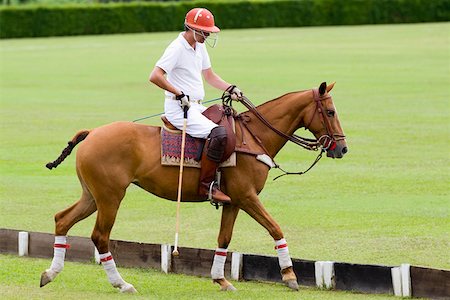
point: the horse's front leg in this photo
(229, 214)
(256, 210)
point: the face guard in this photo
(210, 38)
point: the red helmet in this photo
(201, 19)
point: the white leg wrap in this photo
(59, 253)
(111, 270)
(284, 258)
(217, 270)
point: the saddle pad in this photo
(171, 150)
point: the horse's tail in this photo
(80, 136)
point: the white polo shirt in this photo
(183, 66)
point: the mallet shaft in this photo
(180, 183)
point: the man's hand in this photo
(184, 100)
(235, 93)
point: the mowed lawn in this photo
(386, 202)
(20, 280)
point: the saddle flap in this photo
(215, 113)
(219, 115)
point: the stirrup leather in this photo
(211, 187)
(210, 191)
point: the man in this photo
(179, 72)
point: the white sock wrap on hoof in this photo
(59, 253)
(217, 270)
(111, 270)
(284, 259)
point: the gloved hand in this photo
(184, 100)
(235, 93)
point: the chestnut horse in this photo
(115, 155)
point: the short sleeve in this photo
(169, 59)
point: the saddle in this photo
(171, 139)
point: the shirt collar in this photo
(184, 42)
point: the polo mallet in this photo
(180, 181)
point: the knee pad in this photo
(217, 143)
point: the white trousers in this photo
(198, 125)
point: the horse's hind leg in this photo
(229, 214)
(108, 204)
(64, 220)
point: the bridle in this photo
(324, 142)
(329, 140)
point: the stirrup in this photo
(210, 198)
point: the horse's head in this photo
(323, 121)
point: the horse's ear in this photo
(330, 87)
(322, 88)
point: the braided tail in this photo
(80, 136)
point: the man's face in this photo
(204, 36)
(201, 36)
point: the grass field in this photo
(386, 202)
(20, 276)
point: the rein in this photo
(161, 113)
(324, 142)
(309, 144)
(301, 172)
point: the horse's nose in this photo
(344, 150)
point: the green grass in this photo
(20, 276)
(386, 202)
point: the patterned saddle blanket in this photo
(171, 147)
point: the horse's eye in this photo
(330, 113)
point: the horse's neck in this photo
(286, 114)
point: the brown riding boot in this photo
(207, 175)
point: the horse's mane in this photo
(278, 98)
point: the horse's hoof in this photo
(47, 276)
(128, 288)
(44, 279)
(228, 288)
(292, 284)
(225, 285)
